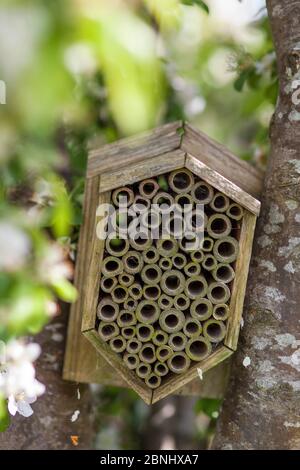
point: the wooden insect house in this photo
(160, 309)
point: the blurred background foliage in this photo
(82, 73)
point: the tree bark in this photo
(261, 408)
(50, 427)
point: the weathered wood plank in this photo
(138, 171)
(223, 184)
(240, 282)
(175, 382)
(134, 149)
(116, 362)
(218, 157)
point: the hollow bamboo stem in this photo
(207, 244)
(172, 282)
(163, 202)
(143, 370)
(219, 226)
(192, 327)
(223, 273)
(192, 269)
(198, 349)
(167, 247)
(235, 212)
(151, 292)
(147, 353)
(108, 331)
(126, 318)
(179, 362)
(197, 256)
(177, 341)
(218, 292)
(126, 279)
(165, 264)
(181, 302)
(133, 262)
(140, 240)
(135, 291)
(153, 381)
(161, 369)
(108, 283)
(151, 274)
(160, 338)
(226, 250)
(144, 332)
(181, 181)
(220, 202)
(130, 304)
(118, 344)
(165, 302)
(196, 286)
(117, 246)
(163, 353)
(171, 320)
(140, 205)
(202, 193)
(107, 310)
(111, 266)
(119, 294)
(147, 312)
(151, 255)
(148, 188)
(133, 346)
(184, 201)
(128, 332)
(131, 360)
(179, 260)
(209, 262)
(214, 330)
(221, 312)
(123, 197)
(201, 309)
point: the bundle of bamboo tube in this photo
(164, 301)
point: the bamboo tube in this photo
(179, 260)
(163, 353)
(181, 302)
(219, 226)
(117, 246)
(151, 220)
(107, 284)
(153, 381)
(207, 244)
(119, 294)
(201, 309)
(130, 304)
(196, 286)
(190, 242)
(192, 269)
(165, 264)
(126, 318)
(118, 344)
(226, 249)
(218, 292)
(140, 205)
(198, 349)
(235, 212)
(202, 193)
(108, 331)
(151, 255)
(184, 201)
(148, 188)
(128, 332)
(220, 202)
(133, 262)
(144, 332)
(151, 274)
(171, 320)
(209, 262)
(196, 220)
(111, 266)
(120, 222)
(160, 337)
(151, 292)
(214, 330)
(172, 282)
(126, 279)
(192, 327)
(133, 346)
(179, 362)
(167, 247)
(143, 370)
(181, 181)
(223, 273)
(165, 302)
(221, 312)
(147, 312)
(177, 341)
(122, 197)
(107, 310)
(197, 256)
(163, 202)
(147, 353)
(161, 369)
(135, 291)
(131, 360)
(140, 240)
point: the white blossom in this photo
(246, 361)
(14, 247)
(17, 376)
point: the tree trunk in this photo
(261, 409)
(50, 427)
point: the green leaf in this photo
(208, 406)
(199, 3)
(241, 80)
(65, 290)
(4, 415)
(163, 183)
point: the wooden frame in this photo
(166, 148)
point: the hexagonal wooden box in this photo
(171, 147)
